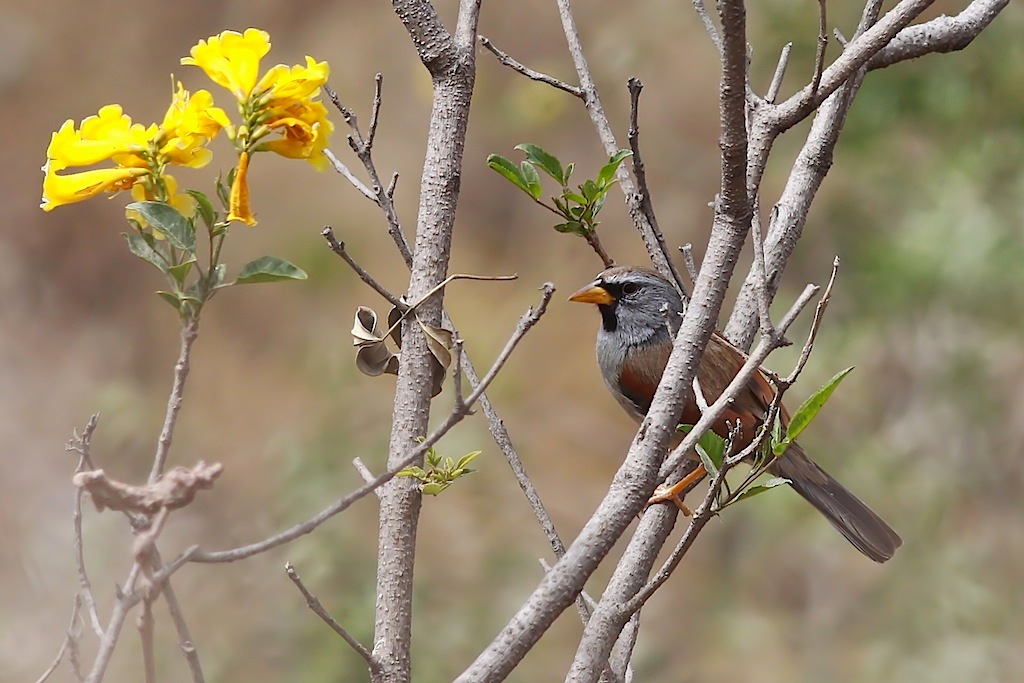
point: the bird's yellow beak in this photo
(593, 294)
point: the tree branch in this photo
(653, 240)
(857, 53)
(505, 59)
(318, 609)
(189, 332)
(452, 67)
(942, 34)
(527, 321)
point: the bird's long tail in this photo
(868, 532)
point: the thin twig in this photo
(527, 321)
(595, 243)
(819, 54)
(185, 641)
(384, 198)
(635, 87)
(189, 332)
(364, 472)
(314, 604)
(780, 72)
(457, 353)
(504, 442)
(505, 59)
(378, 87)
(339, 249)
(760, 272)
(82, 444)
(145, 626)
(691, 266)
(819, 311)
(341, 168)
(709, 25)
(113, 631)
(71, 635)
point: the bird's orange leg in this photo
(664, 493)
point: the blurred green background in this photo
(924, 206)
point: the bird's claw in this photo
(665, 494)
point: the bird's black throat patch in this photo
(609, 319)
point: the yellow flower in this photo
(137, 151)
(144, 191)
(231, 59)
(109, 133)
(75, 187)
(189, 124)
(305, 131)
(239, 204)
(282, 86)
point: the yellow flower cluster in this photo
(283, 101)
(279, 113)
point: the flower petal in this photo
(231, 59)
(239, 204)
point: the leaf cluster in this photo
(440, 471)
(578, 208)
(713, 450)
(166, 239)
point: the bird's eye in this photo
(630, 288)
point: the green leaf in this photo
(173, 298)
(548, 163)
(590, 191)
(562, 207)
(433, 488)
(572, 227)
(467, 458)
(573, 197)
(532, 179)
(758, 489)
(224, 188)
(412, 471)
(180, 271)
(812, 406)
(139, 246)
(710, 448)
(269, 269)
(216, 277)
(509, 170)
(714, 446)
(568, 173)
(607, 172)
(169, 222)
(204, 208)
(778, 443)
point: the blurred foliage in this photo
(923, 205)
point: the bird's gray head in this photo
(635, 303)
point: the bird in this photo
(640, 313)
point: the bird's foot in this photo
(664, 494)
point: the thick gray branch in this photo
(732, 222)
(857, 53)
(942, 34)
(790, 214)
(451, 63)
